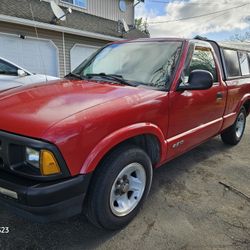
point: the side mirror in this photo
(198, 80)
(21, 73)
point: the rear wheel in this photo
(119, 188)
(233, 134)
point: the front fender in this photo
(106, 144)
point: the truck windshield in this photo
(147, 63)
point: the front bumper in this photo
(44, 201)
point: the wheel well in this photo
(149, 143)
(247, 106)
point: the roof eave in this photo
(47, 26)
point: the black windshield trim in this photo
(71, 74)
(113, 77)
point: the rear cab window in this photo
(236, 63)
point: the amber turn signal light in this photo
(48, 163)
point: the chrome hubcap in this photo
(240, 125)
(127, 189)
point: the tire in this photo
(115, 182)
(233, 134)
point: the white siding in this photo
(108, 9)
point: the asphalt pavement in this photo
(198, 201)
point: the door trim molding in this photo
(193, 130)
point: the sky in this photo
(219, 20)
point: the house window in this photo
(122, 5)
(78, 3)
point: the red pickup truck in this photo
(90, 141)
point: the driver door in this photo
(196, 115)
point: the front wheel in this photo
(120, 186)
(233, 134)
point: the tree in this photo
(241, 37)
(142, 25)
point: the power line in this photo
(198, 16)
(201, 23)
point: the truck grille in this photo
(1, 159)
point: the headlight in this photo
(33, 157)
(44, 160)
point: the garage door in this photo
(37, 56)
(79, 53)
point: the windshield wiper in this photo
(117, 78)
(73, 75)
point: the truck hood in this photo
(31, 110)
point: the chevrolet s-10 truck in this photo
(89, 142)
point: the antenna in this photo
(59, 13)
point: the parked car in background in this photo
(100, 132)
(12, 76)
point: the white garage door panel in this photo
(37, 56)
(79, 53)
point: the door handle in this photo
(219, 96)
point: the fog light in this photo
(48, 163)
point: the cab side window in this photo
(203, 59)
(7, 69)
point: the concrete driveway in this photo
(187, 209)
